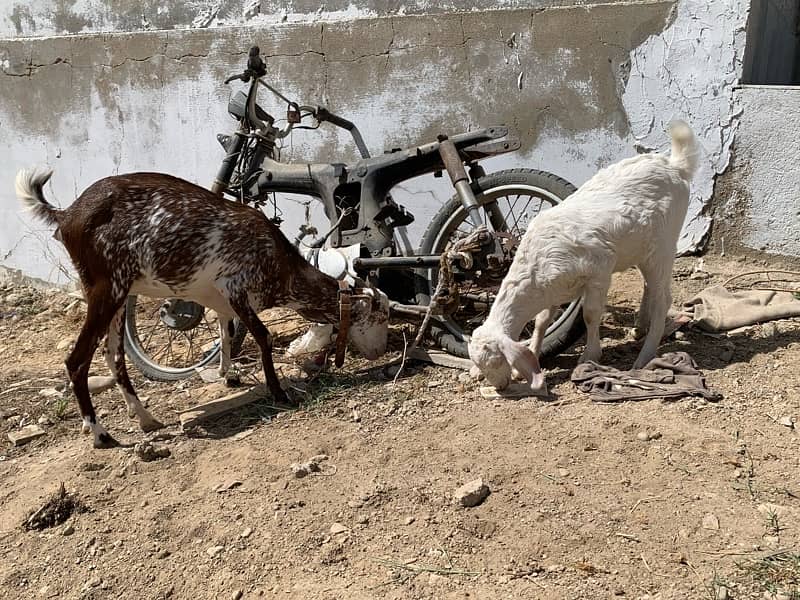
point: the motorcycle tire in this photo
(156, 364)
(451, 332)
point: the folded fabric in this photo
(718, 309)
(671, 376)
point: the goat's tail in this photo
(29, 191)
(685, 151)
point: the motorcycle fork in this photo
(458, 175)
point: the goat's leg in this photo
(226, 332)
(541, 323)
(643, 316)
(658, 282)
(263, 338)
(99, 313)
(594, 303)
(115, 359)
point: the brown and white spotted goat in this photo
(160, 236)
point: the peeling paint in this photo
(599, 81)
(759, 206)
(689, 71)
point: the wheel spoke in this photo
(517, 204)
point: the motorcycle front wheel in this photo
(509, 199)
(169, 340)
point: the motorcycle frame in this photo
(362, 187)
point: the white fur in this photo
(312, 342)
(628, 214)
(368, 333)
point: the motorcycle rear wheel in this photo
(520, 194)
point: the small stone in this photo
(215, 551)
(362, 519)
(68, 530)
(49, 393)
(721, 592)
(25, 435)
(209, 375)
(100, 383)
(355, 416)
(563, 472)
(243, 434)
(227, 485)
(246, 533)
(408, 520)
(555, 568)
(472, 493)
(163, 554)
(7, 413)
(310, 466)
(465, 378)
(434, 383)
(338, 528)
(643, 436)
(95, 582)
(710, 521)
(787, 422)
(237, 595)
(64, 343)
(44, 421)
(148, 452)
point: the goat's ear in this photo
(524, 361)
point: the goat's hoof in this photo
(281, 398)
(151, 425)
(104, 441)
(591, 357)
(233, 381)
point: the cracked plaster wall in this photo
(20, 18)
(599, 82)
(758, 201)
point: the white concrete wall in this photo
(576, 112)
(761, 198)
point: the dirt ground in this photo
(647, 500)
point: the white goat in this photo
(628, 214)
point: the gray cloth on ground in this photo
(718, 309)
(671, 376)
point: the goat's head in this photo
(369, 328)
(496, 354)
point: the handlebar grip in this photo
(254, 62)
(323, 114)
